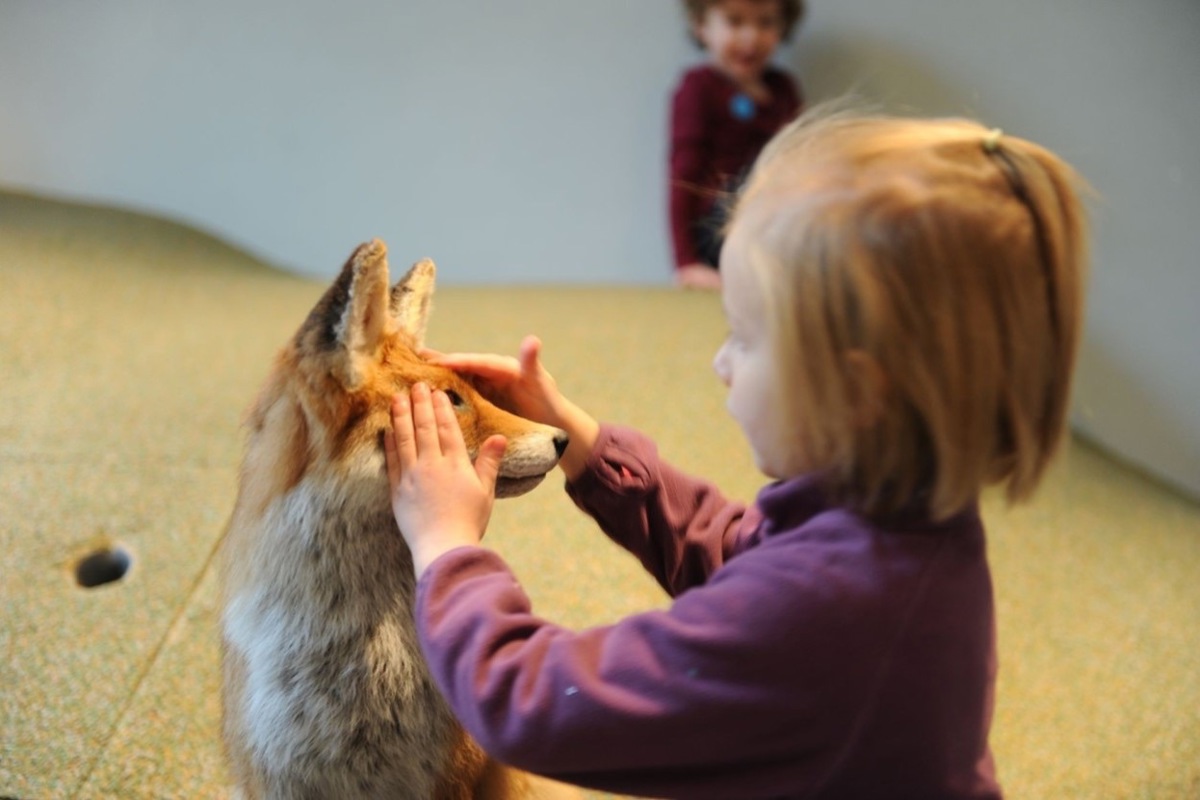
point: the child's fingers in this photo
(424, 426)
(487, 463)
(403, 444)
(450, 437)
(531, 351)
(484, 365)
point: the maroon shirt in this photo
(807, 653)
(715, 137)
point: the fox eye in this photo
(455, 399)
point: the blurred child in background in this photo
(722, 114)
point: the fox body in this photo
(325, 693)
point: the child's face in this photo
(741, 36)
(748, 364)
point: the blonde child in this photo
(904, 301)
(722, 113)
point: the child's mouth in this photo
(748, 63)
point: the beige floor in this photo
(129, 347)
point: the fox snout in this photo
(558, 440)
(528, 458)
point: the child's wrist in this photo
(426, 554)
(583, 431)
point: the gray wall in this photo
(511, 141)
(523, 141)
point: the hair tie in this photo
(1016, 183)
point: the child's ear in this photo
(866, 388)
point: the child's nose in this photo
(719, 366)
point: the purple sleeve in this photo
(689, 161)
(716, 697)
(822, 657)
(681, 528)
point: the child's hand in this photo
(520, 385)
(698, 276)
(523, 386)
(441, 500)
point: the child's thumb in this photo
(531, 350)
(487, 463)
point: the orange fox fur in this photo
(325, 693)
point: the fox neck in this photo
(323, 624)
(344, 540)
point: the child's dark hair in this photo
(793, 12)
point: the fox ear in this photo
(410, 299)
(350, 319)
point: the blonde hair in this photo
(955, 261)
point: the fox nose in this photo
(561, 440)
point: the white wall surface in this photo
(520, 140)
(524, 140)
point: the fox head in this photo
(327, 403)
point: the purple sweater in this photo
(712, 145)
(807, 652)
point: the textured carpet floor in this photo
(129, 347)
